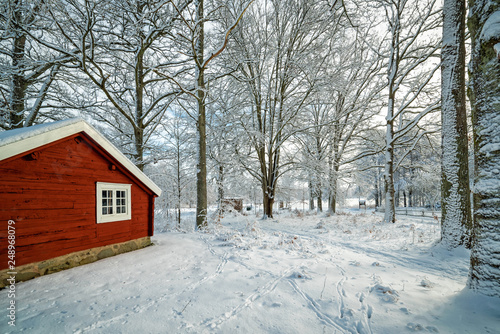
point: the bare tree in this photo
(193, 38)
(28, 68)
(121, 48)
(410, 73)
(179, 143)
(277, 62)
(222, 135)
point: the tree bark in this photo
(484, 274)
(19, 84)
(334, 162)
(201, 175)
(268, 204)
(455, 192)
(139, 105)
(390, 212)
(311, 196)
(179, 188)
(320, 200)
(220, 186)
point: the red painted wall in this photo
(53, 201)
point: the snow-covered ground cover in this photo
(297, 273)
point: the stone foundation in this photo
(32, 270)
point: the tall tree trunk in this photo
(455, 192)
(19, 84)
(139, 124)
(201, 175)
(139, 97)
(484, 20)
(390, 212)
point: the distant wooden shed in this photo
(72, 198)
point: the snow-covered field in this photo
(347, 273)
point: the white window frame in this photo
(107, 218)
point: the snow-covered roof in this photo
(17, 141)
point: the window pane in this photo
(118, 210)
(110, 193)
(110, 210)
(104, 202)
(104, 194)
(104, 211)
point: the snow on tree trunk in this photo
(201, 173)
(408, 55)
(220, 186)
(19, 84)
(455, 198)
(268, 205)
(390, 211)
(332, 198)
(311, 196)
(484, 26)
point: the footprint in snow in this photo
(426, 283)
(418, 327)
(404, 310)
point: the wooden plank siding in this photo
(52, 200)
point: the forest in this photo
(395, 102)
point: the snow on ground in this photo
(348, 273)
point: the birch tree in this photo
(484, 26)
(455, 200)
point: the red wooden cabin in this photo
(68, 189)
